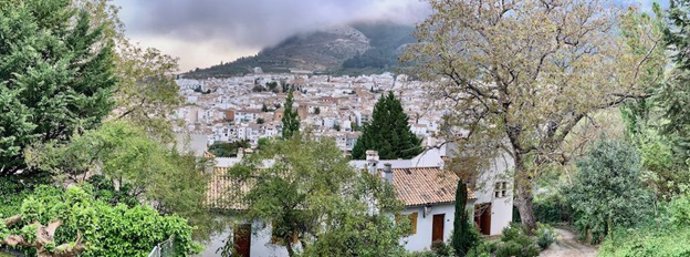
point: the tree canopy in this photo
(57, 76)
(388, 132)
(310, 194)
(520, 75)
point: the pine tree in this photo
(388, 133)
(290, 118)
(56, 76)
(463, 238)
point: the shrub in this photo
(545, 236)
(105, 229)
(553, 209)
(442, 249)
(607, 191)
(484, 249)
(516, 243)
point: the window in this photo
(413, 221)
(501, 189)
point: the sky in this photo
(202, 33)
(205, 32)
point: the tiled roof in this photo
(425, 186)
(225, 192)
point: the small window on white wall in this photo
(501, 189)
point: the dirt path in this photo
(566, 245)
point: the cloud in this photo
(204, 32)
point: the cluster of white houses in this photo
(422, 183)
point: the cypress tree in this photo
(463, 238)
(290, 118)
(388, 132)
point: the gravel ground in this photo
(566, 245)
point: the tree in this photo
(521, 76)
(142, 168)
(57, 74)
(464, 237)
(354, 231)
(317, 110)
(308, 193)
(388, 133)
(222, 149)
(79, 225)
(607, 191)
(290, 118)
(264, 108)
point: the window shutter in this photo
(413, 223)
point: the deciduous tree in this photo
(520, 75)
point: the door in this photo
(242, 239)
(437, 228)
(482, 218)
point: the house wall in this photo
(421, 240)
(261, 245)
(501, 170)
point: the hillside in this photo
(355, 49)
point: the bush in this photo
(545, 236)
(607, 191)
(442, 249)
(553, 209)
(516, 243)
(484, 249)
(666, 236)
(105, 229)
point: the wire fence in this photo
(163, 249)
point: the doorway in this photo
(242, 239)
(437, 228)
(482, 218)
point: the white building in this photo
(421, 183)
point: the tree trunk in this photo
(523, 196)
(288, 245)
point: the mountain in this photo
(360, 48)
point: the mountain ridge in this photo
(360, 48)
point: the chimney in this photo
(388, 172)
(446, 162)
(372, 161)
(240, 153)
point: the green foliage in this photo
(388, 133)
(545, 236)
(56, 73)
(553, 208)
(661, 237)
(607, 190)
(311, 192)
(106, 230)
(290, 118)
(223, 149)
(12, 192)
(516, 243)
(145, 169)
(465, 236)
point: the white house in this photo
(421, 183)
(428, 192)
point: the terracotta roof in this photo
(223, 191)
(425, 186)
